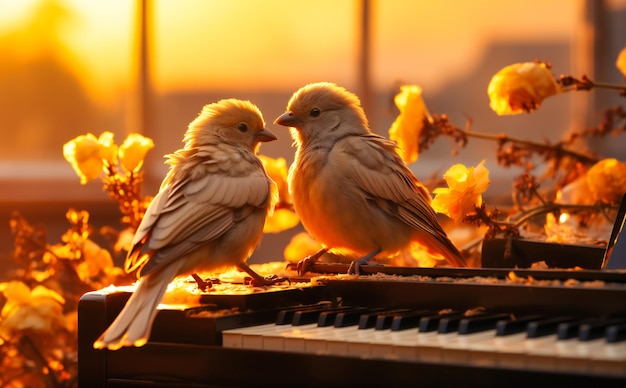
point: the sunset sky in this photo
(261, 44)
(78, 59)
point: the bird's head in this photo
(230, 120)
(320, 108)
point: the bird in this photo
(350, 188)
(208, 214)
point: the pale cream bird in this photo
(352, 191)
(208, 214)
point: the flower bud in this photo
(607, 180)
(133, 151)
(108, 148)
(521, 87)
(620, 63)
(407, 127)
(83, 153)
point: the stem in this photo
(607, 86)
(26, 344)
(504, 138)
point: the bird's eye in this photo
(243, 127)
(315, 112)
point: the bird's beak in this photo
(264, 136)
(288, 119)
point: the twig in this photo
(503, 139)
(27, 345)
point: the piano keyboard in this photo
(483, 338)
(439, 327)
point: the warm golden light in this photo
(276, 43)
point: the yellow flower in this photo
(521, 87)
(39, 309)
(83, 153)
(406, 129)
(464, 191)
(277, 170)
(281, 218)
(133, 151)
(300, 246)
(108, 148)
(620, 63)
(97, 260)
(607, 180)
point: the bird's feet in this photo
(204, 285)
(267, 280)
(355, 265)
(258, 280)
(307, 263)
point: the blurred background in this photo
(69, 67)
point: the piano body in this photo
(390, 327)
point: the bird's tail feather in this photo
(133, 325)
(451, 253)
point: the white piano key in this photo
(359, 345)
(542, 352)
(232, 339)
(384, 342)
(405, 345)
(605, 358)
(337, 344)
(292, 337)
(478, 349)
(511, 351)
(317, 340)
(428, 348)
(456, 348)
(246, 337)
(574, 355)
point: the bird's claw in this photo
(354, 268)
(268, 280)
(204, 285)
(305, 265)
(355, 265)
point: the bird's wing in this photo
(387, 181)
(191, 212)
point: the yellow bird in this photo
(350, 188)
(208, 214)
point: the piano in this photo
(391, 326)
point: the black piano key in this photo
(616, 333)
(596, 329)
(352, 318)
(369, 320)
(385, 320)
(310, 315)
(545, 327)
(515, 325)
(327, 317)
(305, 317)
(567, 330)
(285, 317)
(482, 322)
(409, 320)
(431, 322)
(450, 323)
